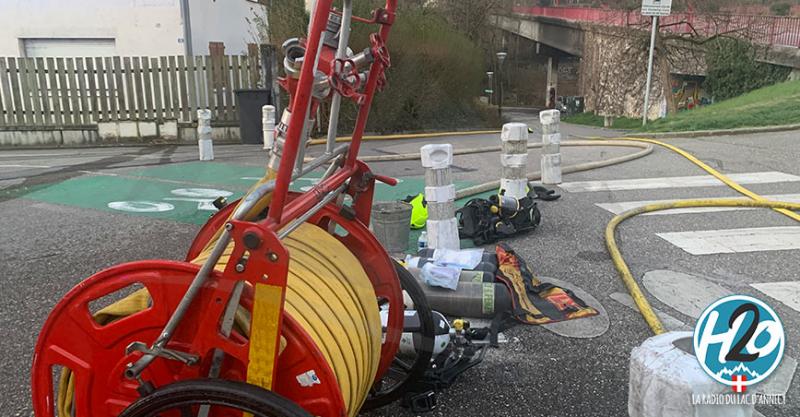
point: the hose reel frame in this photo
(111, 362)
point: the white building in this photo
(32, 28)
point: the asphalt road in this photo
(56, 234)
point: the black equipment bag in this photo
(487, 221)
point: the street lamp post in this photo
(501, 58)
(490, 90)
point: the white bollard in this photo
(204, 135)
(514, 159)
(440, 193)
(268, 123)
(551, 151)
(664, 376)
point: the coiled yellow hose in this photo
(328, 293)
(332, 298)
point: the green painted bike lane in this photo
(183, 192)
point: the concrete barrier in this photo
(514, 159)
(665, 374)
(204, 141)
(551, 150)
(440, 194)
(45, 136)
(268, 123)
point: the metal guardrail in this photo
(765, 30)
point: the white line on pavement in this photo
(689, 294)
(23, 166)
(785, 292)
(105, 174)
(707, 242)
(676, 182)
(30, 155)
(619, 208)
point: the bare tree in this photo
(472, 16)
(282, 19)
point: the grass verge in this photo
(770, 106)
(591, 119)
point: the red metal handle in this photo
(386, 180)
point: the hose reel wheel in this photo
(213, 397)
(404, 372)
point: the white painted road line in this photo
(785, 292)
(689, 294)
(671, 323)
(29, 155)
(707, 242)
(619, 208)
(676, 182)
(23, 166)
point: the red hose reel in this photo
(101, 356)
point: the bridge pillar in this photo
(551, 94)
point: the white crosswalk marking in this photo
(785, 292)
(621, 207)
(676, 182)
(707, 242)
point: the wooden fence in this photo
(84, 91)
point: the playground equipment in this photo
(277, 309)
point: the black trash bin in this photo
(250, 102)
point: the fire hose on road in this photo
(756, 201)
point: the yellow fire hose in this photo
(635, 291)
(328, 293)
(332, 298)
(616, 255)
(625, 273)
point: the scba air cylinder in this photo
(666, 380)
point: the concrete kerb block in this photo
(551, 147)
(204, 131)
(550, 117)
(443, 234)
(514, 188)
(74, 137)
(437, 156)
(664, 375)
(514, 132)
(148, 130)
(440, 192)
(168, 129)
(268, 126)
(128, 130)
(108, 131)
(6, 138)
(514, 160)
(519, 160)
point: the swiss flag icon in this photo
(738, 385)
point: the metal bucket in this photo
(391, 222)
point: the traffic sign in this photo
(656, 7)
